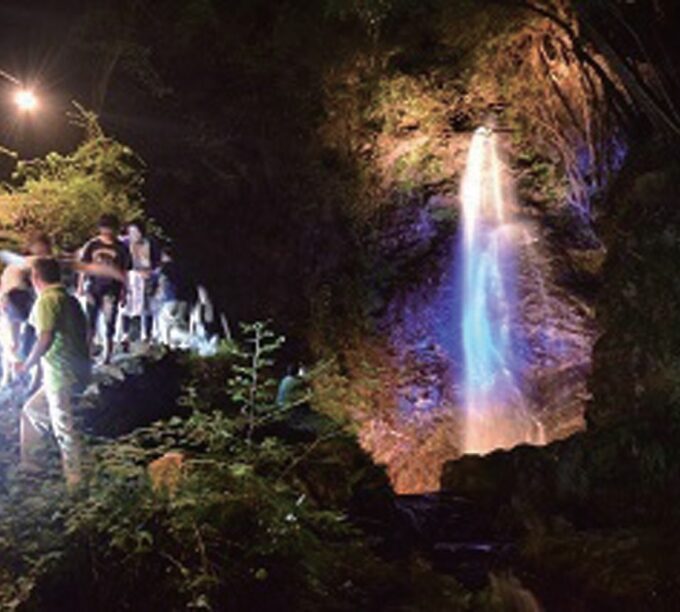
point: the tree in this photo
(603, 26)
(64, 195)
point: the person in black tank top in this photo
(104, 295)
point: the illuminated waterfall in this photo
(496, 412)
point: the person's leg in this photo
(34, 381)
(164, 322)
(34, 424)
(147, 327)
(110, 313)
(147, 311)
(60, 403)
(180, 331)
(6, 368)
(6, 347)
(28, 338)
(10, 347)
(136, 325)
(126, 324)
(93, 307)
(134, 306)
(5, 343)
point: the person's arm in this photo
(44, 318)
(42, 345)
(9, 258)
(80, 290)
(93, 269)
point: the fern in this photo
(251, 386)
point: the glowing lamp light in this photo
(25, 100)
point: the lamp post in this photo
(24, 98)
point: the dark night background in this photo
(221, 107)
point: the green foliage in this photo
(636, 366)
(251, 386)
(371, 13)
(446, 217)
(417, 168)
(403, 101)
(64, 195)
(623, 565)
(209, 516)
(227, 532)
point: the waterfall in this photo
(496, 410)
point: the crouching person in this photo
(62, 349)
(173, 295)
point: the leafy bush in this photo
(228, 537)
(64, 195)
(212, 512)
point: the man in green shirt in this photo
(63, 352)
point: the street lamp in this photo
(24, 98)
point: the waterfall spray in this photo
(496, 412)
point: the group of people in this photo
(146, 297)
(51, 333)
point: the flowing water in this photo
(496, 410)
(488, 347)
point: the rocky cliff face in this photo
(415, 427)
(636, 365)
(412, 134)
(598, 512)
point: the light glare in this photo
(26, 100)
